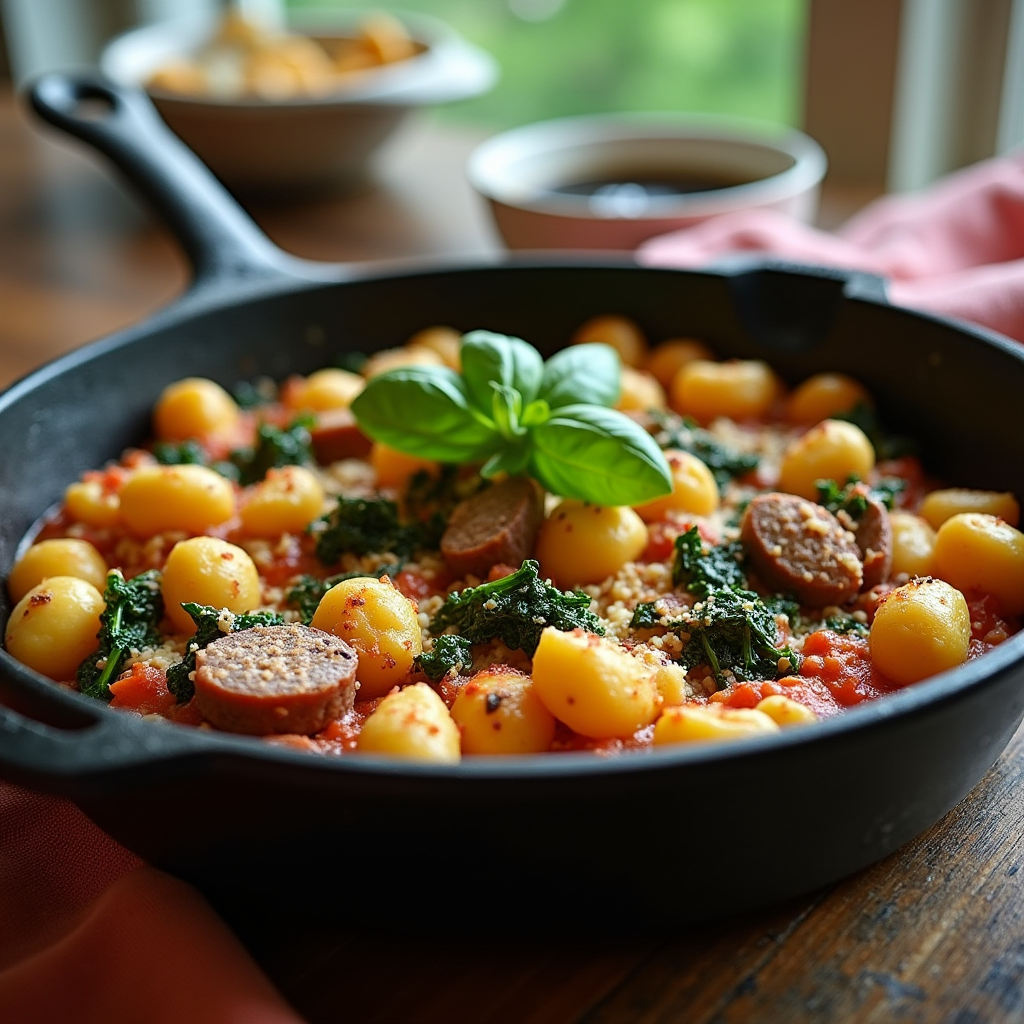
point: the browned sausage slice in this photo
(499, 524)
(800, 548)
(275, 679)
(874, 539)
(336, 436)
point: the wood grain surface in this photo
(933, 933)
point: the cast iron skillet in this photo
(683, 834)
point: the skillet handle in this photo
(219, 238)
(67, 761)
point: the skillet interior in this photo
(766, 820)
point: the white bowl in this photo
(309, 143)
(539, 179)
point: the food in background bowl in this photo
(468, 550)
(275, 115)
(245, 59)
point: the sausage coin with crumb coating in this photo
(275, 679)
(800, 548)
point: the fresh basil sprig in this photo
(517, 414)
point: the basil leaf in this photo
(588, 373)
(494, 358)
(598, 455)
(424, 411)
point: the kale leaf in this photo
(308, 592)
(185, 453)
(724, 461)
(735, 630)
(128, 622)
(844, 623)
(364, 526)
(729, 628)
(702, 571)
(208, 622)
(451, 652)
(275, 447)
(515, 610)
(853, 497)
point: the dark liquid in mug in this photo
(653, 186)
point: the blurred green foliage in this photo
(564, 57)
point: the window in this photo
(564, 57)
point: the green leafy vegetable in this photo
(515, 610)
(364, 526)
(185, 453)
(273, 449)
(431, 497)
(209, 627)
(724, 461)
(308, 592)
(451, 653)
(729, 628)
(514, 413)
(702, 571)
(844, 623)
(852, 498)
(734, 630)
(425, 411)
(582, 373)
(129, 622)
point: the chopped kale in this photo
(843, 623)
(702, 571)
(208, 622)
(735, 631)
(185, 453)
(645, 616)
(515, 610)
(308, 592)
(273, 449)
(853, 497)
(248, 395)
(364, 526)
(724, 461)
(729, 628)
(129, 622)
(451, 652)
(886, 445)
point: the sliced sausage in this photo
(499, 524)
(336, 436)
(275, 679)
(800, 548)
(874, 539)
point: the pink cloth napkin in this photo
(89, 934)
(956, 248)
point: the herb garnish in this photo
(129, 622)
(209, 627)
(517, 414)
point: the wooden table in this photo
(934, 933)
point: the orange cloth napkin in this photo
(89, 934)
(956, 248)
